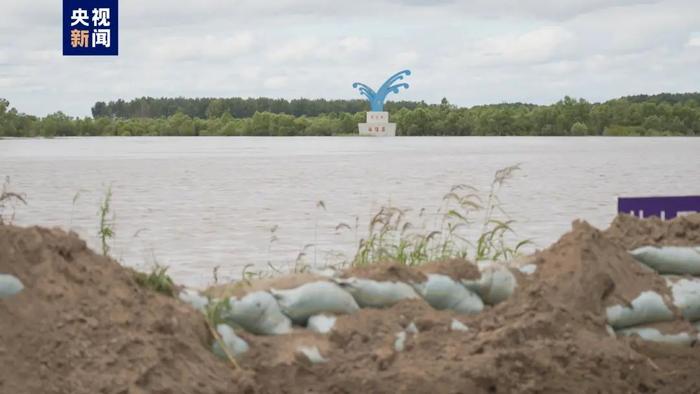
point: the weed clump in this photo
(213, 315)
(106, 230)
(9, 199)
(157, 280)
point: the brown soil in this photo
(550, 337)
(240, 289)
(386, 271)
(389, 271)
(82, 325)
(585, 268)
(455, 268)
(631, 232)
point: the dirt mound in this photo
(631, 232)
(82, 325)
(457, 269)
(240, 289)
(550, 337)
(584, 268)
(85, 326)
(386, 271)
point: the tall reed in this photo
(393, 236)
(107, 219)
(9, 200)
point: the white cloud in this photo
(355, 44)
(406, 58)
(694, 40)
(314, 48)
(298, 49)
(249, 72)
(276, 82)
(539, 45)
(205, 48)
(471, 52)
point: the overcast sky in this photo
(472, 52)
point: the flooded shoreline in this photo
(198, 203)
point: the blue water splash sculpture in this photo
(376, 99)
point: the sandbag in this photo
(654, 335)
(528, 269)
(412, 329)
(321, 324)
(401, 336)
(370, 293)
(234, 344)
(441, 292)
(400, 341)
(312, 354)
(9, 286)
(312, 299)
(670, 259)
(457, 325)
(257, 313)
(610, 331)
(194, 299)
(649, 307)
(495, 285)
(686, 297)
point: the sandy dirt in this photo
(241, 288)
(385, 271)
(83, 326)
(631, 232)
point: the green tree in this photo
(579, 128)
(57, 124)
(216, 108)
(181, 124)
(4, 105)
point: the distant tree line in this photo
(238, 107)
(665, 114)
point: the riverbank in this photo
(84, 325)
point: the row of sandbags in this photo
(314, 304)
(651, 307)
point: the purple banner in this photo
(663, 207)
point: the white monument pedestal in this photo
(378, 125)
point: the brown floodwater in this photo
(198, 203)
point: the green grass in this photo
(157, 280)
(392, 236)
(213, 317)
(107, 219)
(215, 310)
